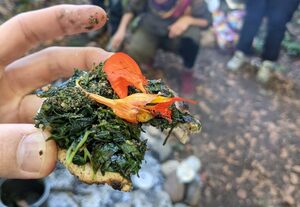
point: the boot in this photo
(187, 82)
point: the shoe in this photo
(264, 72)
(187, 82)
(236, 61)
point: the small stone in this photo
(122, 205)
(141, 200)
(193, 162)
(149, 175)
(156, 145)
(61, 200)
(153, 132)
(61, 179)
(95, 195)
(84, 189)
(93, 199)
(193, 193)
(180, 205)
(174, 188)
(163, 199)
(185, 173)
(169, 166)
(144, 181)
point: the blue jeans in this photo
(278, 14)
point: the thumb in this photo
(24, 152)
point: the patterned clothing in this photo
(196, 8)
(169, 9)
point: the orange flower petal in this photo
(122, 71)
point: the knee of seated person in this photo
(140, 54)
(193, 33)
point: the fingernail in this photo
(30, 152)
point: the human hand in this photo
(24, 153)
(117, 39)
(180, 26)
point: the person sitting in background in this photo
(278, 14)
(167, 24)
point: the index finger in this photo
(26, 30)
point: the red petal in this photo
(163, 108)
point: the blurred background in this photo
(248, 153)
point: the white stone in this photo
(180, 205)
(193, 162)
(185, 173)
(90, 200)
(122, 205)
(145, 181)
(163, 199)
(153, 131)
(61, 200)
(61, 179)
(150, 173)
(163, 151)
(169, 166)
(140, 200)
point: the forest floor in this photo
(250, 141)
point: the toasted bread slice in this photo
(86, 174)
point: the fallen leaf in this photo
(296, 169)
(289, 200)
(211, 146)
(204, 107)
(242, 194)
(284, 153)
(231, 145)
(294, 178)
